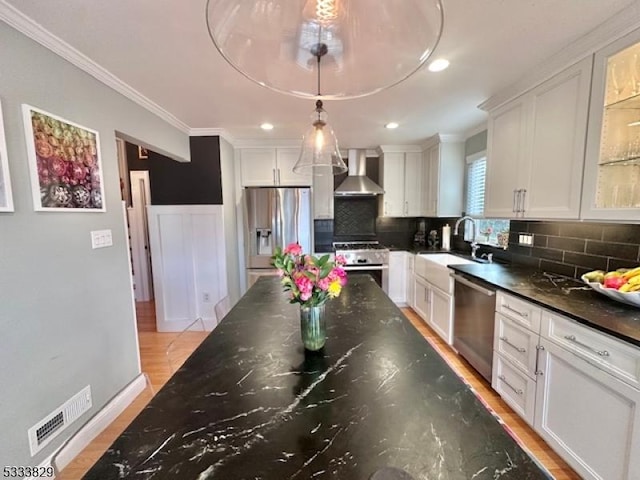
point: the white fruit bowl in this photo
(630, 298)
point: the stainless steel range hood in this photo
(357, 183)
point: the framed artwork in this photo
(6, 197)
(64, 163)
(142, 153)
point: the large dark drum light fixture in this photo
(363, 46)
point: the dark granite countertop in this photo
(563, 295)
(250, 403)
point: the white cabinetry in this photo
(409, 287)
(443, 177)
(433, 296)
(612, 169)
(590, 417)
(515, 346)
(322, 196)
(535, 151)
(401, 178)
(262, 167)
(398, 277)
(577, 387)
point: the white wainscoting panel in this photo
(188, 262)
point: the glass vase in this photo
(313, 327)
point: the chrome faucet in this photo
(474, 244)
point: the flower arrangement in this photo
(310, 280)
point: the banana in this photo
(631, 273)
(635, 288)
(634, 280)
(625, 288)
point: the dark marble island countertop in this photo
(564, 295)
(250, 403)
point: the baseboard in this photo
(98, 423)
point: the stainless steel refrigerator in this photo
(274, 217)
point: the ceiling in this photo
(161, 49)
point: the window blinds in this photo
(476, 172)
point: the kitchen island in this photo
(250, 403)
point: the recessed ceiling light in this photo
(391, 125)
(266, 126)
(438, 65)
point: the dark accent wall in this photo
(190, 183)
(574, 248)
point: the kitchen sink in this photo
(446, 259)
(432, 267)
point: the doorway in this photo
(136, 193)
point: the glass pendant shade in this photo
(320, 154)
(371, 44)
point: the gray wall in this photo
(66, 311)
(476, 143)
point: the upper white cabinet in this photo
(266, 167)
(401, 178)
(612, 169)
(535, 151)
(322, 196)
(443, 177)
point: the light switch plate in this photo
(101, 238)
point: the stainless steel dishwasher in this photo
(474, 313)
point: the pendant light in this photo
(320, 154)
(372, 44)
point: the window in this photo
(489, 231)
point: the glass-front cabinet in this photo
(612, 168)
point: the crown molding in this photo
(442, 138)
(25, 25)
(610, 30)
(398, 149)
(213, 132)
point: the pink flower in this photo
(305, 285)
(340, 260)
(323, 284)
(304, 296)
(341, 274)
(293, 249)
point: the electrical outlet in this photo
(101, 238)
(525, 239)
(206, 298)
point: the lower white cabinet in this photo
(422, 298)
(517, 389)
(409, 287)
(589, 417)
(576, 386)
(435, 307)
(398, 277)
(441, 318)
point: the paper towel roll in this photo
(446, 237)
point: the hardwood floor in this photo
(153, 346)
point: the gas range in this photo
(362, 253)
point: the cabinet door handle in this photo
(602, 353)
(524, 196)
(406, 208)
(279, 177)
(515, 195)
(519, 391)
(511, 309)
(519, 349)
